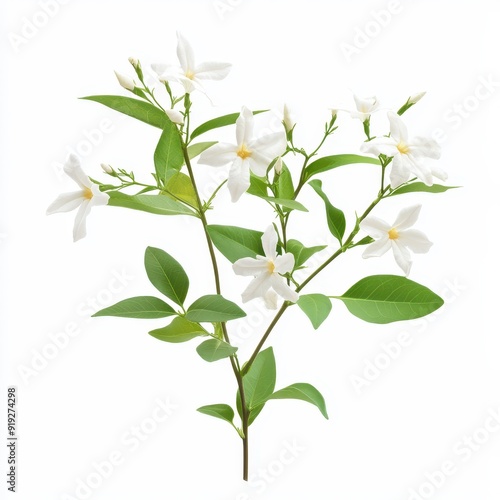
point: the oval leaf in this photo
(420, 187)
(334, 216)
(284, 185)
(179, 185)
(222, 411)
(221, 121)
(304, 392)
(152, 203)
(387, 298)
(334, 161)
(168, 153)
(317, 307)
(140, 110)
(166, 274)
(214, 308)
(260, 379)
(196, 149)
(301, 253)
(214, 349)
(236, 242)
(138, 307)
(180, 330)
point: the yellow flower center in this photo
(190, 74)
(244, 153)
(270, 267)
(87, 193)
(403, 148)
(393, 234)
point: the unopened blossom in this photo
(267, 270)
(248, 154)
(125, 81)
(190, 74)
(287, 119)
(415, 98)
(408, 155)
(107, 169)
(88, 196)
(175, 116)
(278, 166)
(398, 237)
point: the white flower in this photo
(125, 81)
(278, 166)
(190, 74)
(85, 198)
(396, 236)
(287, 119)
(408, 154)
(365, 107)
(248, 154)
(267, 270)
(107, 169)
(415, 98)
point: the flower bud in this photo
(133, 61)
(175, 116)
(415, 98)
(278, 166)
(125, 81)
(334, 112)
(108, 169)
(287, 119)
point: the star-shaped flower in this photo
(247, 155)
(267, 270)
(397, 236)
(88, 196)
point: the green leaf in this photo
(289, 204)
(284, 185)
(258, 186)
(214, 308)
(138, 307)
(329, 162)
(304, 392)
(222, 411)
(168, 153)
(415, 187)
(214, 349)
(364, 241)
(260, 379)
(166, 274)
(254, 413)
(135, 108)
(236, 242)
(301, 253)
(180, 330)
(221, 121)
(386, 298)
(196, 149)
(334, 216)
(152, 203)
(316, 306)
(179, 185)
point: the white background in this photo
(78, 408)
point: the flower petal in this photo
(427, 147)
(218, 155)
(269, 242)
(366, 104)
(159, 68)
(407, 217)
(257, 287)
(248, 266)
(271, 299)
(73, 169)
(400, 170)
(377, 248)
(439, 173)
(185, 53)
(281, 288)
(269, 146)
(175, 116)
(80, 229)
(398, 129)
(239, 179)
(402, 256)
(212, 70)
(284, 263)
(98, 197)
(382, 145)
(244, 127)
(66, 202)
(374, 226)
(415, 240)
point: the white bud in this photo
(107, 168)
(133, 61)
(175, 116)
(334, 112)
(287, 119)
(278, 166)
(416, 97)
(125, 81)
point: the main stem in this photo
(233, 359)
